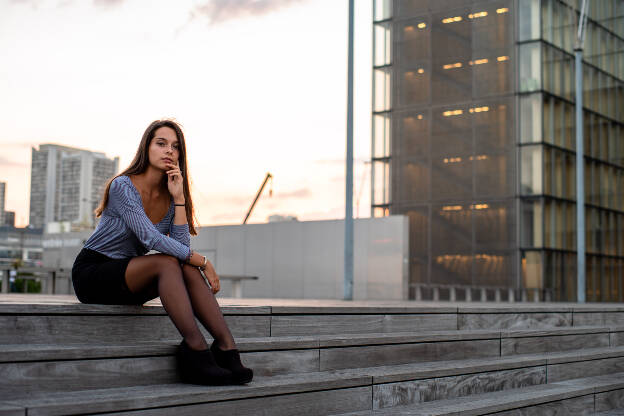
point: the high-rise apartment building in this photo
(67, 184)
(2, 202)
(474, 140)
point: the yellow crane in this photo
(253, 204)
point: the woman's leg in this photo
(144, 273)
(206, 308)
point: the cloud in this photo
(107, 3)
(32, 3)
(245, 201)
(217, 11)
(7, 163)
(64, 3)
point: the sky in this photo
(258, 85)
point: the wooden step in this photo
(582, 396)
(389, 386)
(89, 366)
(72, 322)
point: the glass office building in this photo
(474, 140)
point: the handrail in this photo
(537, 294)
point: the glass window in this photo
(383, 44)
(493, 126)
(382, 89)
(419, 231)
(570, 177)
(493, 175)
(381, 135)
(532, 223)
(532, 275)
(531, 170)
(381, 182)
(451, 178)
(530, 67)
(414, 87)
(413, 130)
(382, 9)
(414, 37)
(570, 227)
(570, 126)
(531, 118)
(529, 19)
(414, 182)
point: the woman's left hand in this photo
(213, 278)
(174, 182)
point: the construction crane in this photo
(253, 204)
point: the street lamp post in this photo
(580, 160)
(348, 243)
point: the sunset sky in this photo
(258, 85)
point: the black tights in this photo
(184, 295)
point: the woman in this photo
(148, 200)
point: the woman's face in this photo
(164, 148)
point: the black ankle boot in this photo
(230, 359)
(199, 367)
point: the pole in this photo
(580, 181)
(580, 160)
(348, 243)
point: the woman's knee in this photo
(167, 264)
(191, 273)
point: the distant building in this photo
(67, 184)
(21, 243)
(2, 199)
(9, 218)
(282, 218)
(474, 140)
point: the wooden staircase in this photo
(60, 357)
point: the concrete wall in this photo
(301, 260)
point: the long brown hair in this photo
(141, 162)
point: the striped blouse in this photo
(125, 230)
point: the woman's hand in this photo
(175, 183)
(212, 277)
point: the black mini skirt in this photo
(100, 279)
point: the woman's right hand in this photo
(212, 277)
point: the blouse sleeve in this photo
(180, 233)
(127, 204)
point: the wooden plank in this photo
(11, 410)
(283, 325)
(166, 395)
(531, 345)
(151, 308)
(354, 357)
(95, 329)
(319, 403)
(19, 380)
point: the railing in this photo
(50, 275)
(453, 293)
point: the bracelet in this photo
(179, 205)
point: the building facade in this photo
(2, 202)
(21, 244)
(474, 140)
(67, 184)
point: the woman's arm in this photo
(179, 229)
(127, 203)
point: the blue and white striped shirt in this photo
(125, 230)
